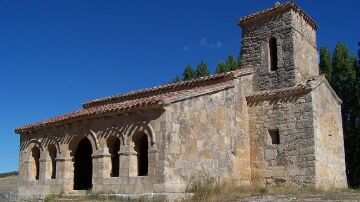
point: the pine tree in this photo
(232, 63)
(202, 70)
(343, 69)
(325, 63)
(188, 73)
(177, 79)
(345, 85)
(221, 68)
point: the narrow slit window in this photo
(273, 54)
(275, 136)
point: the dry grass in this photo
(207, 188)
(9, 183)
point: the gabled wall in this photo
(292, 161)
(208, 135)
(329, 140)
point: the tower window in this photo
(275, 136)
(273, 54)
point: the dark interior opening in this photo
(36, 155)
(114, 151)
(83, 166)
(273, 54)
(141, 148)
(275, 136)
(52, 154)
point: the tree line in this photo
(230, 64)
(342, 70)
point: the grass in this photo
(90, 196)
(3, 175)
(206, 188)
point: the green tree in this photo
(346, 85)
(188, 73)
(232, 63)
(325, 63)
(177, 79)
(202, 70)
(221, 68)
(343, 75)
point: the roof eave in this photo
(242, 22)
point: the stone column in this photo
(42, 166)
(132, 162)
(26, 168)
(101, 166)
(152, 161)
(65, 171)
(124, 164)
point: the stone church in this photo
(274, 121)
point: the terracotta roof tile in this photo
(116, 107)
(276, 8)
(168, 87)
(147, 98)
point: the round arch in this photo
(91, 136)
(141, 127)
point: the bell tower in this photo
(280, 43)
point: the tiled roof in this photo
(142, 99)
(309, 85)
(278, 92)
(116, 107)
(277, 8)
(182, 85)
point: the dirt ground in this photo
(321, 197)
(8, 188)
(8, 185)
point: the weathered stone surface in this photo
(258, 127)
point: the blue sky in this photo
(56, 54)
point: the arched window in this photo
(52, 155)
(35, 169)
(273, 54)
(141, 147)
(114, 148)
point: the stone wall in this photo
(305, 51)
(98, 131)
(329, 141)
(297, 57)
(208, 136)
(292, 161)
(255, 51)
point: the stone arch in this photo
(138, 127)
(32, 143)
(91, 136)
(56, 143)
(113, 144)
(33, 152)
(140, 139)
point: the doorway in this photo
(83, 166)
